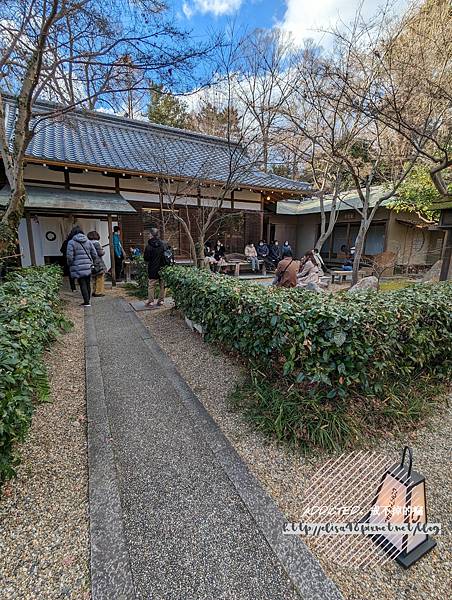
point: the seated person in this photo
(348, 262)
(263, 254)
(209, 259)
(286, 249)
(286, 272)
(135, 252)
(319, 260)
(251, 256)
(310, 271)
(275, 252)
(219, 253)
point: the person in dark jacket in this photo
(263, 254)
(81, 256)
(154, 256)
(63, 251)
(219, 254)
(286, 249)
(118, 252)
(275, 252)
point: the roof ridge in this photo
(126, 121)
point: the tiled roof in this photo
(349, 201)
(70, 200)
(102, 140)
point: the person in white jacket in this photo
(251, 255)
(319, 260)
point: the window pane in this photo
(339, 238)
(375, 240)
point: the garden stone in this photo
(366, 284)
(433, 273)
(313, 287)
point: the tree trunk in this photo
(324, 235)
(201, 255)
(9, 226)
(265, 155)
(359, 248)
(325, 232)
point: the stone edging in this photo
(111, 576)
(299, 563)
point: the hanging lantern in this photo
(401, 499)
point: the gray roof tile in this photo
(103, 140)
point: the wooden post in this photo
(162, 217)
(112, 251)
(447, 254)
(31, 243)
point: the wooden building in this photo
(416, 244)
(97, 170)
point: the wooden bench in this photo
(237, 265)
(236, 261)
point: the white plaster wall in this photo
(91, 178)
(139, 183)
(247, 205)
(61, 226)
(247, 195)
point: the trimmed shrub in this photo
(30, 318)
(330, 347)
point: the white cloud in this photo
(304, 18)
(187, 10)
(215, 7)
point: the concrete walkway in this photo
(174, 512)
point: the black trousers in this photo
(118, 267)
(85, 288)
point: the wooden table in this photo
(342, 275)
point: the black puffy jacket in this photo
(153, 255)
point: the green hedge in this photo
(333, 345)
(30, 318)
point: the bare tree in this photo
(73, 51)
(319, 120)
(263, 80)
(199, 201)
(359, 150)
(404, 79)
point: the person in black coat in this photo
(219, 253)
(63, 251)
(286, 249)
(154, 256)
(275, 252)
(263, 253)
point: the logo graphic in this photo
(360, 510)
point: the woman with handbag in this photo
(81, 256)
(310, 272)
(99, 265)
(286, 271)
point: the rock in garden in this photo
(434, 272)
(366, 283)
(313, 287)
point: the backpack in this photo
(168, 256)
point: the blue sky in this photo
(301, 17)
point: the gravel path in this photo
(211, 374)
(44, 544)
